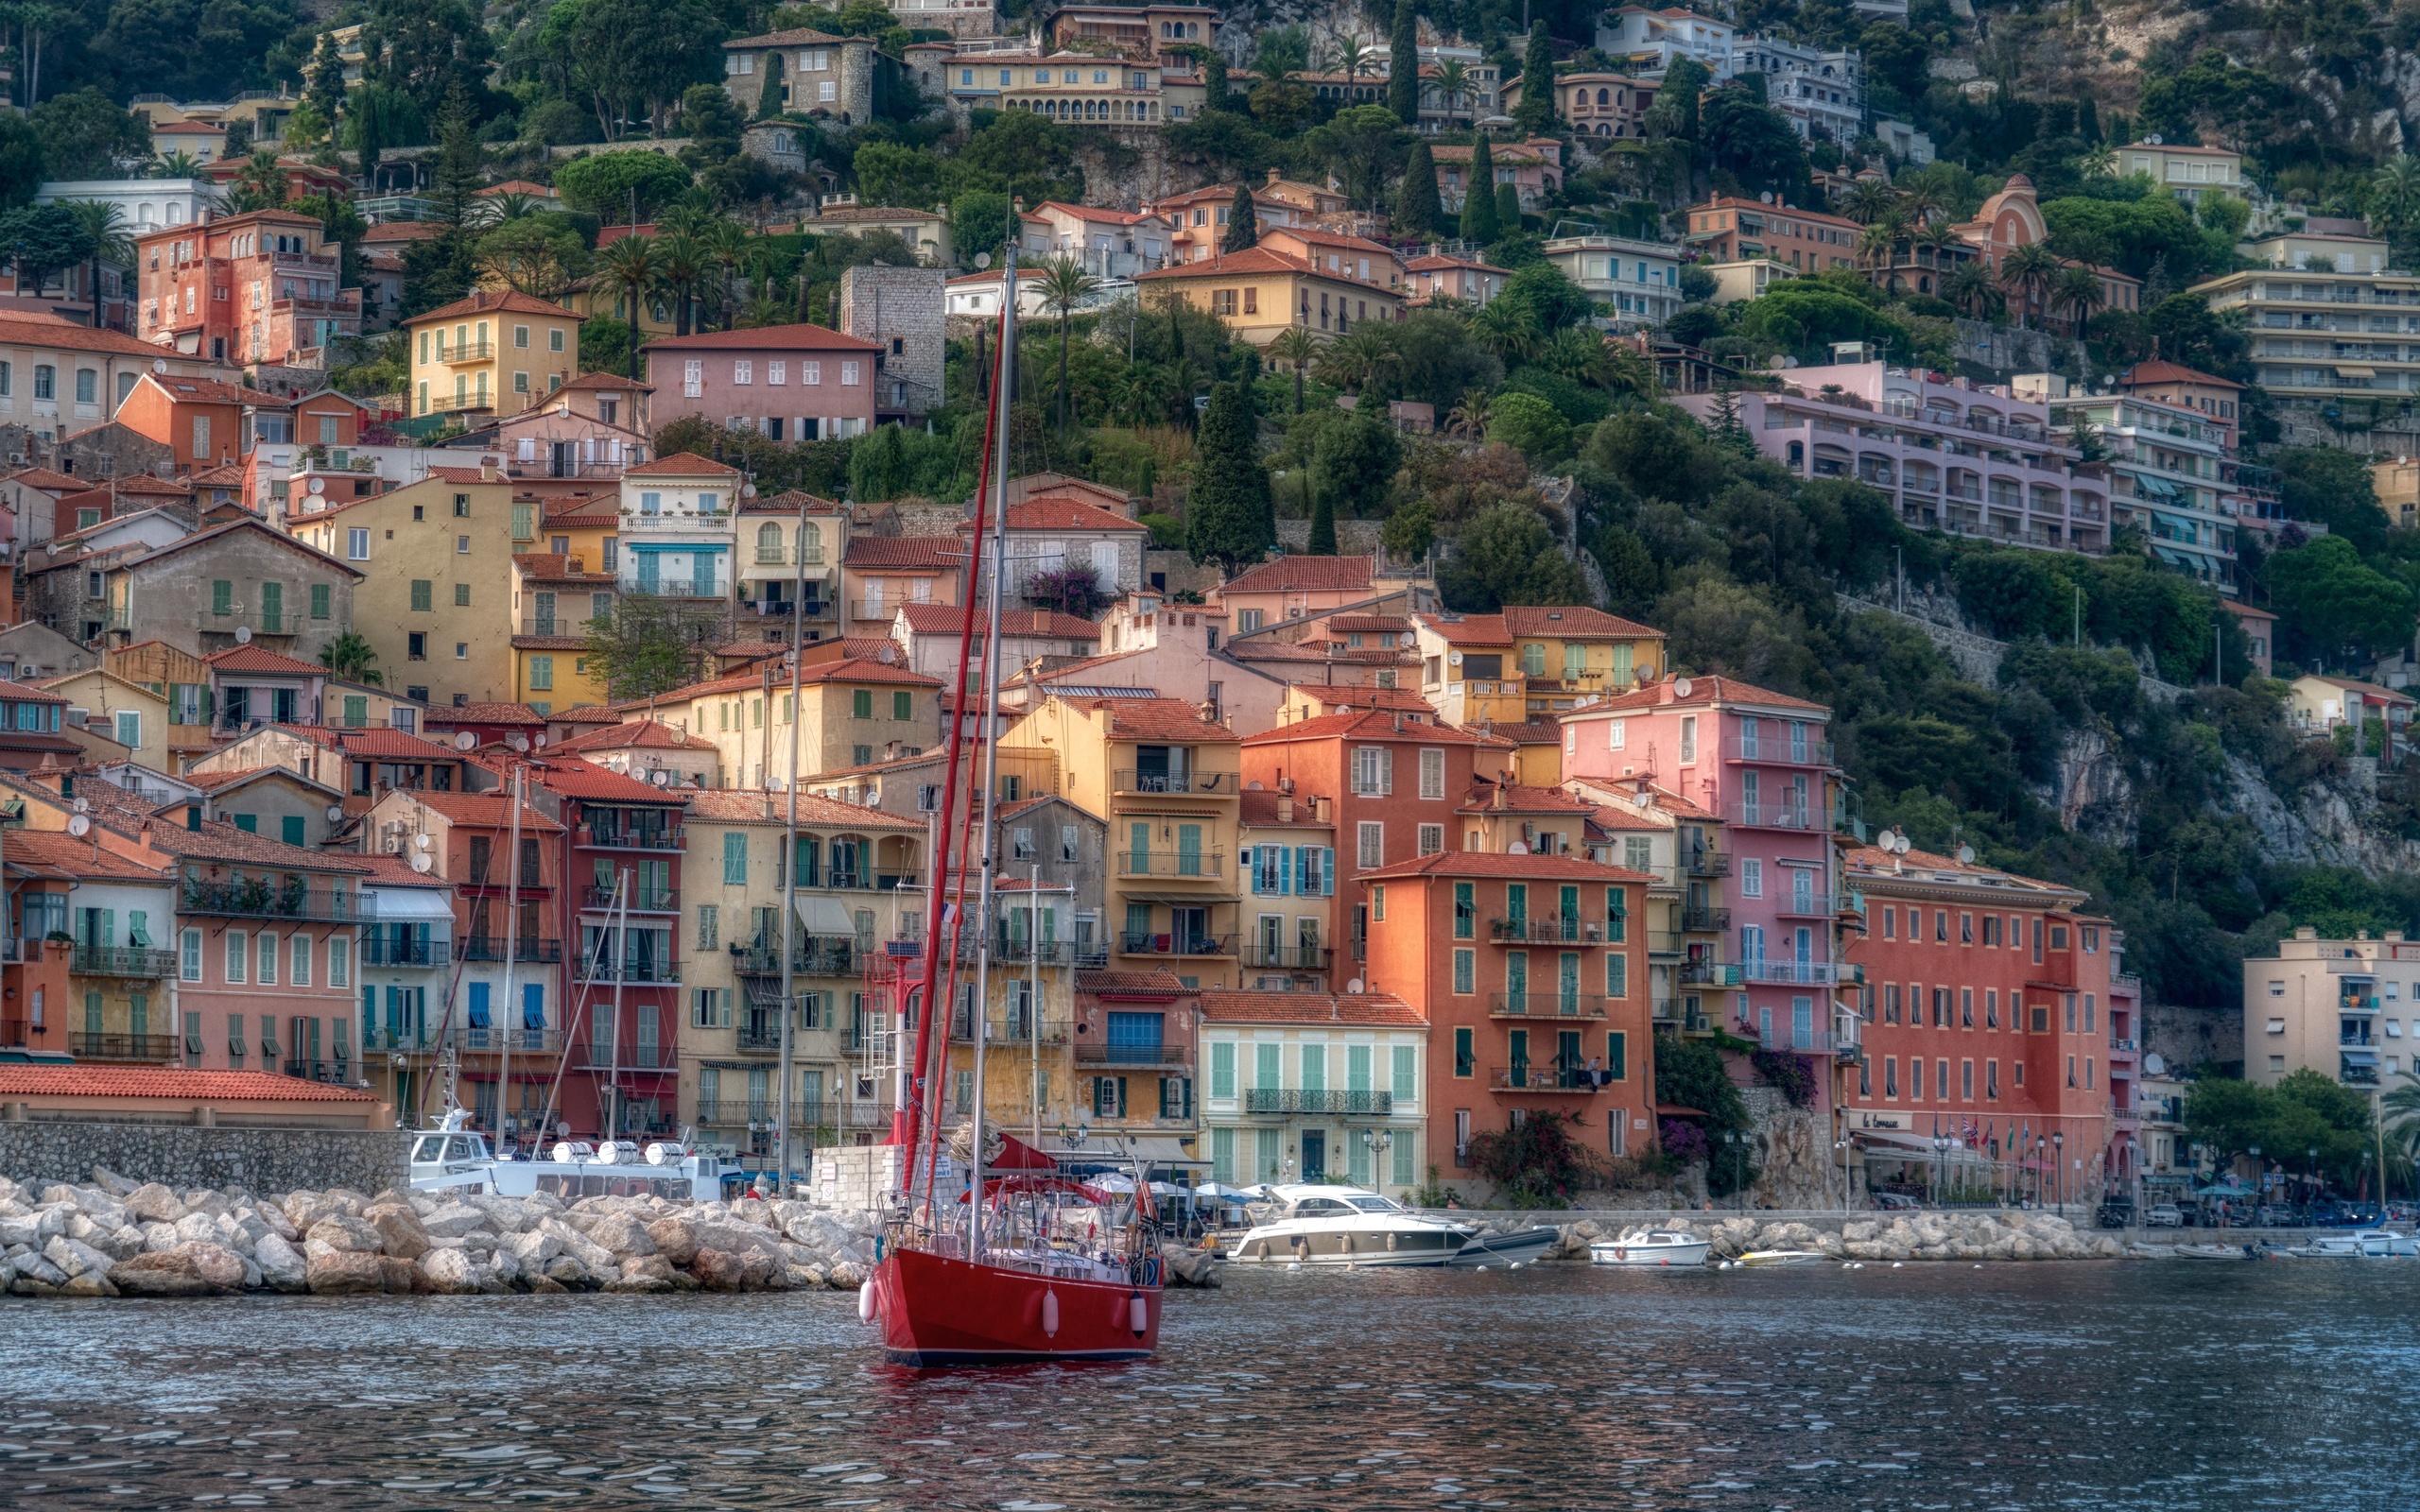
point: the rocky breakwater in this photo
(114, 1238)
(2006, 1235)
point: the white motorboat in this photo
(1781, 1257)
(2362, 1244)
(1347, 1225)
(1657, 1248)
(455, 1158)
(2217, 1253)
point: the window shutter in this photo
(1327, 871)
(1387, 770)
(1286, 870)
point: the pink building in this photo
(1970, 459)
(792, 383)
(1533, 167)
(1439, 277)
(1299, 587)
(1762, 761)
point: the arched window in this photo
(811, 540)
(1603, 96)
(769, 541)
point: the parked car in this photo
(1894, 1201)
(2164, 1215)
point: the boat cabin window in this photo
(461, 1148)
(1311, 1207)
(1376, 1204)
(427, 1150)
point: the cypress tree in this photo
(768, 103)
(1417, 210)
(2088, 120)
(1537, 82)
(1322, 519)
(1214, 79)
(1243, 227)
(1227, 517)
(1480, 224)
(1403, 66)
(1507, 207)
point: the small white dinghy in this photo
(1649, 1246)
(2216, 1252)
(1781, 1257)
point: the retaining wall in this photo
(185, 1156)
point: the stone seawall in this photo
(185, 1155)
(2008, 1234)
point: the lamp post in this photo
(2313, 1154)
(2259, 1182)
(1378, 1142)
(1738, 1193)
(2058, 1150)
(1843, 1145)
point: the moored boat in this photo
(1653, 1247)
(936, 1310)
(1780, 1257)
(1348, 1226)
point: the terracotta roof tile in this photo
(1310, 1007)
(1575, 623)
(1366, 725)
(1518, 800)
(1495, 864)
(1260, 808)
(58, 853)
(489, 811)
(681, 464)
(488, 301)
(578, 779)
(1061, 513)
(637, 735)
(1156, 982)
(215, 841)
(612, 381)
(1300, 574)
(1370, 624)
(1153, 719)
(170, 1083)
(942, 619)
(261, 658)
(486, 714)
(394, 871)
(936, 552)
(748, 806)
(1530, 733)
(1705, 690)
(764, 338)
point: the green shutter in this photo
(862, 703)
(1618, 1055)
(321, 597)
(356, 710)
(272, 607)
(290, 829)
(903, 706)
(1222, 1067)
(735, 858)
(222, 597)
(523, 523)
(461, 596)
(422, 598)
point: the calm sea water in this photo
(2167, 1384)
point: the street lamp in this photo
(1377, 1142)
(2058, 1149)
(2260, 1181)
(1739, 1187)
(1843, 1145)
(1940, 1167)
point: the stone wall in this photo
(185, 1156)
(903, 305)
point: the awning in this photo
(397, 904)
(2343, 370)
(824, 916)
(2359, 1058)
(1113, 1151)
(1922, 1143)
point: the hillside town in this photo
(1673, 603)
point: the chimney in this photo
(1284, 809)
(1272, 178)
(1320, 810)
(487, 470)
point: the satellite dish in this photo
(83, 805)
(518, 743)
(243, 635)
(318, 486)
(465, 740)
(159, 364)
(886, 656)
(336, 814)
(420, 842)
(1455, 658)
(1518, 847)
(80, 826)
(2153, 1063)
(1681, 687)
(1354, 986)
(423, 862)
(538, 741)
(1966, 856)
(982, 260)
(660, 778)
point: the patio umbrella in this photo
(1224, 1194)
(1113, 1182)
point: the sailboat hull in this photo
(937, 1310)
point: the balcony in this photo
(257, 899)
(642, 901)
(326, 1071)
(1709, 974)
(465, 352)
(736, 1113)
(1287, 957)
(1774, 816)
(607, 837)
(1666, 1010)
(1536, 1078)
(761, 1037)
(1206, 864)
(681, 588)
(2124, 1045)
(1664, 942)
(385, 950)
(480, 948)
(2358, 1041)
(1545, 1006)
(1202, 785)
(1818, 905)
(1294, 1100)
(1698, 918)
(1801, 973)
(1782, 753)
(595, 1057)
(641, 973)
(123, 960)
(157, 1048)
(1705, 861)
(495, 1038)
(2125, 982)
(1812, 1042)
(712, 522)
(1176, 944)
(818, 957)
(1545, 931)
(1109, 1054)
(1011, 1029)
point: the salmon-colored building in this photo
(204, 421)
(1997, 1019)
(1534, 982)
(261, 288)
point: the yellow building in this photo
(127, 712)
(1288, 937)
(1528, 663)
(554, 597)
(1260, 291)
(434, 601)
(857, 711)
(1166, 780)
(496, 354)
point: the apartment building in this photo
(495, 354)
(1598, 104)
(1821, 94)
(1639, 827)
(1525, 663)
(1301, 1085)
(59, 379)
(1651, 40)
(1534, 168)
(1640, 281)
(799, 383)
(2341, 1007)
(265, 287)
(1288, 864)
(1726, 230)
(2339, 338)
(1958, 457)
(812, 72)
(2185, 170)
(2166, 476)
(1260, 292)
(1994, 1012)
(1107, 243)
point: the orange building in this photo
(251, 288)
(205, 423)
(1535, 984)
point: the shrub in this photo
(1789, 1074)
(1536, 1162)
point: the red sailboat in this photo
(1019, 1268)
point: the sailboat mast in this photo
(511, 940)
(992, 740)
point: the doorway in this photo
(1314, 1154)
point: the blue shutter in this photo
(1286, 869)
(478, 1004)
(1328, 874)
(533, 1005)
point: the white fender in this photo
(866, 1304)
(1139, 1314)
(1049, 1314)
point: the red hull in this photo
(935, 1310)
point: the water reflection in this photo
(2136, 1384)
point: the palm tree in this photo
(1868, 199)
(2028, 271)
(725, 244)
(1142, 392)
(1579, 354)
(349, 657)
(1936, 238)
(1628, 372)
(2080, 290)
(261, 184)
(180, 164)
(628, 270)
(1294, 346)
(1185, 379)
(498, 210)
(1453, 82)
(681, 263)
(1064, 285)
(1921, 204)
(1506, 328)
(106, 225)
(1360, 356)
(1969, 286)
(1468, 418)
(2400, 1114)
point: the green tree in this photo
(1296, 347)
(2335, 489)
(1243, 228)
(641, 646)
(1507, 554)
(979, 222)
(1403, 64)
(349, 656)
(1508, 208)
(2335, 605)
(1527, 424)
(890, 174)
(538, 257)
(41, 240)
(1536, 112)
(1479, 223)
(1692, 1073)
(105, 228)
(1354, 459)
(629, 273)
(768, 99)
(1228, 516)
(1411, 530)
(1323, 542)
(85, 134)
(1417, 210)
(621, 188)
(1066, 285)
